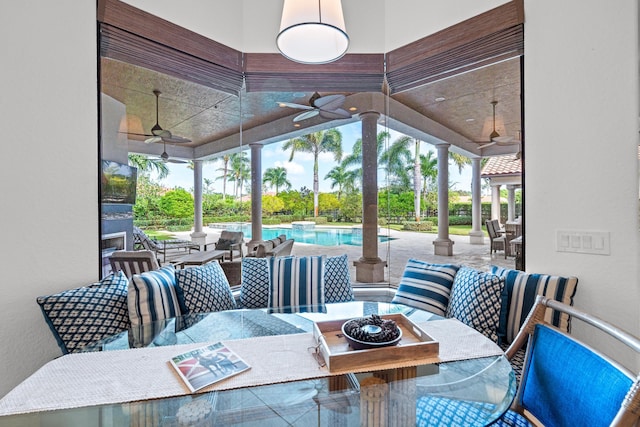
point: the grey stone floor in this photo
(396, 251)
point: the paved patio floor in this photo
(402, 246)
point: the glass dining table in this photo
(485, 384)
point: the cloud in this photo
(293, 168)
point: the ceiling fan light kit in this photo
(312, 31)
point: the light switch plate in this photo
(583, 241)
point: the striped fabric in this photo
(520, 292)
(426, 286)
(152, 296)
(297, 284)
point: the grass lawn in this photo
(458, 230)
(159, 234)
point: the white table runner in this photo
(86, 379)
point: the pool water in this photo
(318, 236)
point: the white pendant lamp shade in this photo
(312, 31)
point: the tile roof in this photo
(501, 165)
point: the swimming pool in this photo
(318, 236)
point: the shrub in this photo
(317, 219)
(417, 226)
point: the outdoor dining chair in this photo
(498, 242)
(133, 262)
(567, 383)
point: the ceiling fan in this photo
(494, 136)
(328, 107)
(157, 133)
(165, 157)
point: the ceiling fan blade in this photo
(330, 102)
(175, 139)
(153, 139)
(306, 115)
(292, 105)
(175, 161)
(505, 140)
(335, 114)
(488, 144)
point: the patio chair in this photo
(162, 246)
(565, 382)
(133, 262)
(231, 241)
(498, 242)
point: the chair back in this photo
(490, 229)
(567, 383)
(133, 262)
(142, 239)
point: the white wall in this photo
(581, 133)
(48, 177)
(581, 83)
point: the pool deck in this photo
(396, 251)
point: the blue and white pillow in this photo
(426, 286)
(476, 300)
(80, 316)
(204, 289)
(297, 284)
(254, 288)
(152, 296)
(337, 280)
(519, 295)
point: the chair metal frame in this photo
(629, 411)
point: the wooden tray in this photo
(415, 347)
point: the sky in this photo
(300, 170)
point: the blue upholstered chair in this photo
(565, 382)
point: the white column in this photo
(495, 201)
(511, 202)
(256, 194)
(443, 245)
(369, 268)
(476, 236)
(198, 236)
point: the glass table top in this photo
(486, 386)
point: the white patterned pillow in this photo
(152, 296)
(476, 300)
(297, 284)
(426, 286)
(254, 288)
(337, 280)
(204, 289)
(80, 316)
(519, 295)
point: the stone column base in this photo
(476, 237)
(199, 237)
(443, 247)
(370, 271)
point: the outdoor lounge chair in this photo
(231, 241)
(162, 246)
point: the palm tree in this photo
(459, 160)
(329, 141)
(239, 170)
(355, 158)
(428, 170)
(225, 173)
(146, 164)
(397, 156)
(343, 178)
(276, 177)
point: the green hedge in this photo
(417, 226)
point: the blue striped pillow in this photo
(297, 284)
(152, 296)
(519, 295)
(426, 286)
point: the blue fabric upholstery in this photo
(426, 286)
(476, 300)
(566, 384)
(337, 280)
(204, 289)
(297, 284)
(435, 411)
(512, 419)
(80, 316)
(520, 293)
(254, 289)
(152, 296)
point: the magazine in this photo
(206, 365)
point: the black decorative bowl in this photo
(369, 333)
